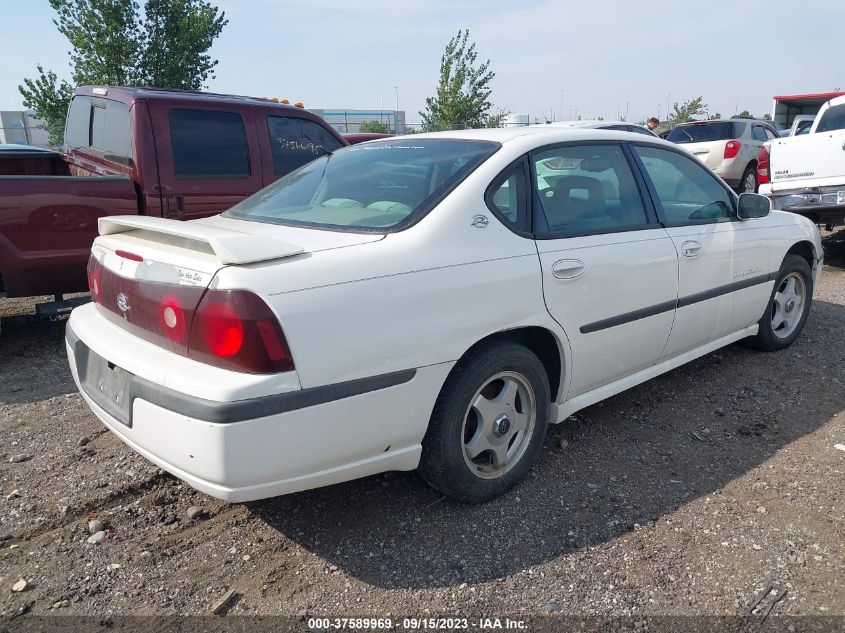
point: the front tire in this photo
(488, 424)
(788, 307)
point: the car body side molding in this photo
(660, 308)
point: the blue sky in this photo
(606, 55)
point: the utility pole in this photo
(396, 112)
(627, 110)
(561, 104)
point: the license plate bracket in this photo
(110, 387)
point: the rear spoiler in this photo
(230, 247)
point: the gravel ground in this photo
(688, 495)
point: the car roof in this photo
(736, 120)
(588, 123)
(14, 147)
(536, 135)
(128, 94)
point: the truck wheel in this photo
(748, 183)
(788, 306)
(488, 423)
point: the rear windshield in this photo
(703, 132)
(377, 186)
(832, 119)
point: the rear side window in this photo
(832, 119)
(102, 127)
(759, 133)
(705, 131)
(585, 189)
(295, 142)
(209, 144)
(78, 125)
(509, 197)
(688, 193)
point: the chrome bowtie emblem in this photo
(479, 221)
(122, 302)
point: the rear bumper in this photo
(247, 451)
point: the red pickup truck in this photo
(162, 153)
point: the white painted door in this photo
(723, 263)
(610, 272)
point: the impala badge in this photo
(479, 221)
(123, 302)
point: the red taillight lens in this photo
(94, 278)
(235, 329)
(763, 166)
(732, 149)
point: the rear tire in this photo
(488, 424)
(788, 307)
(748, 183)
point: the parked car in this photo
(156, 153)
(421, 302)
(354, 138)
(801, 125)
(728, 146)
(551, 170)
(619, 126)
(807, 173)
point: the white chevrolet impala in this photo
(429, 302)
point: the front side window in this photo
(586, 189)
(295, 142)
(832, 119)
(208, 144)
(375, 186)
(688, 193)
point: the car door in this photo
(723, 263)
(208, 158)
(610, 271)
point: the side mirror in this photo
(753, 205)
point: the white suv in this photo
(727, 146)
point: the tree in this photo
(463, 92)
(745, 114)
(767, 117)
(687, 111)
(114, 42)
(713, 117)
(374, 126)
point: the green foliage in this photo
(767, 117)
(687, 111)
(115, 42)
(462, 99)
(49, 97)
(496, 120)
(713, 117)
(377, 127)
(745, 114)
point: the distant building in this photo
(22, 128)
(349, 121)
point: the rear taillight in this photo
(94, 278)
(732, 149)
(235, 329)
(763, 165)
(232, 329)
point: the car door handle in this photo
(568, 268)
(691, 248)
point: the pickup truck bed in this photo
(46, 224)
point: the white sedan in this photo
(425, 302)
